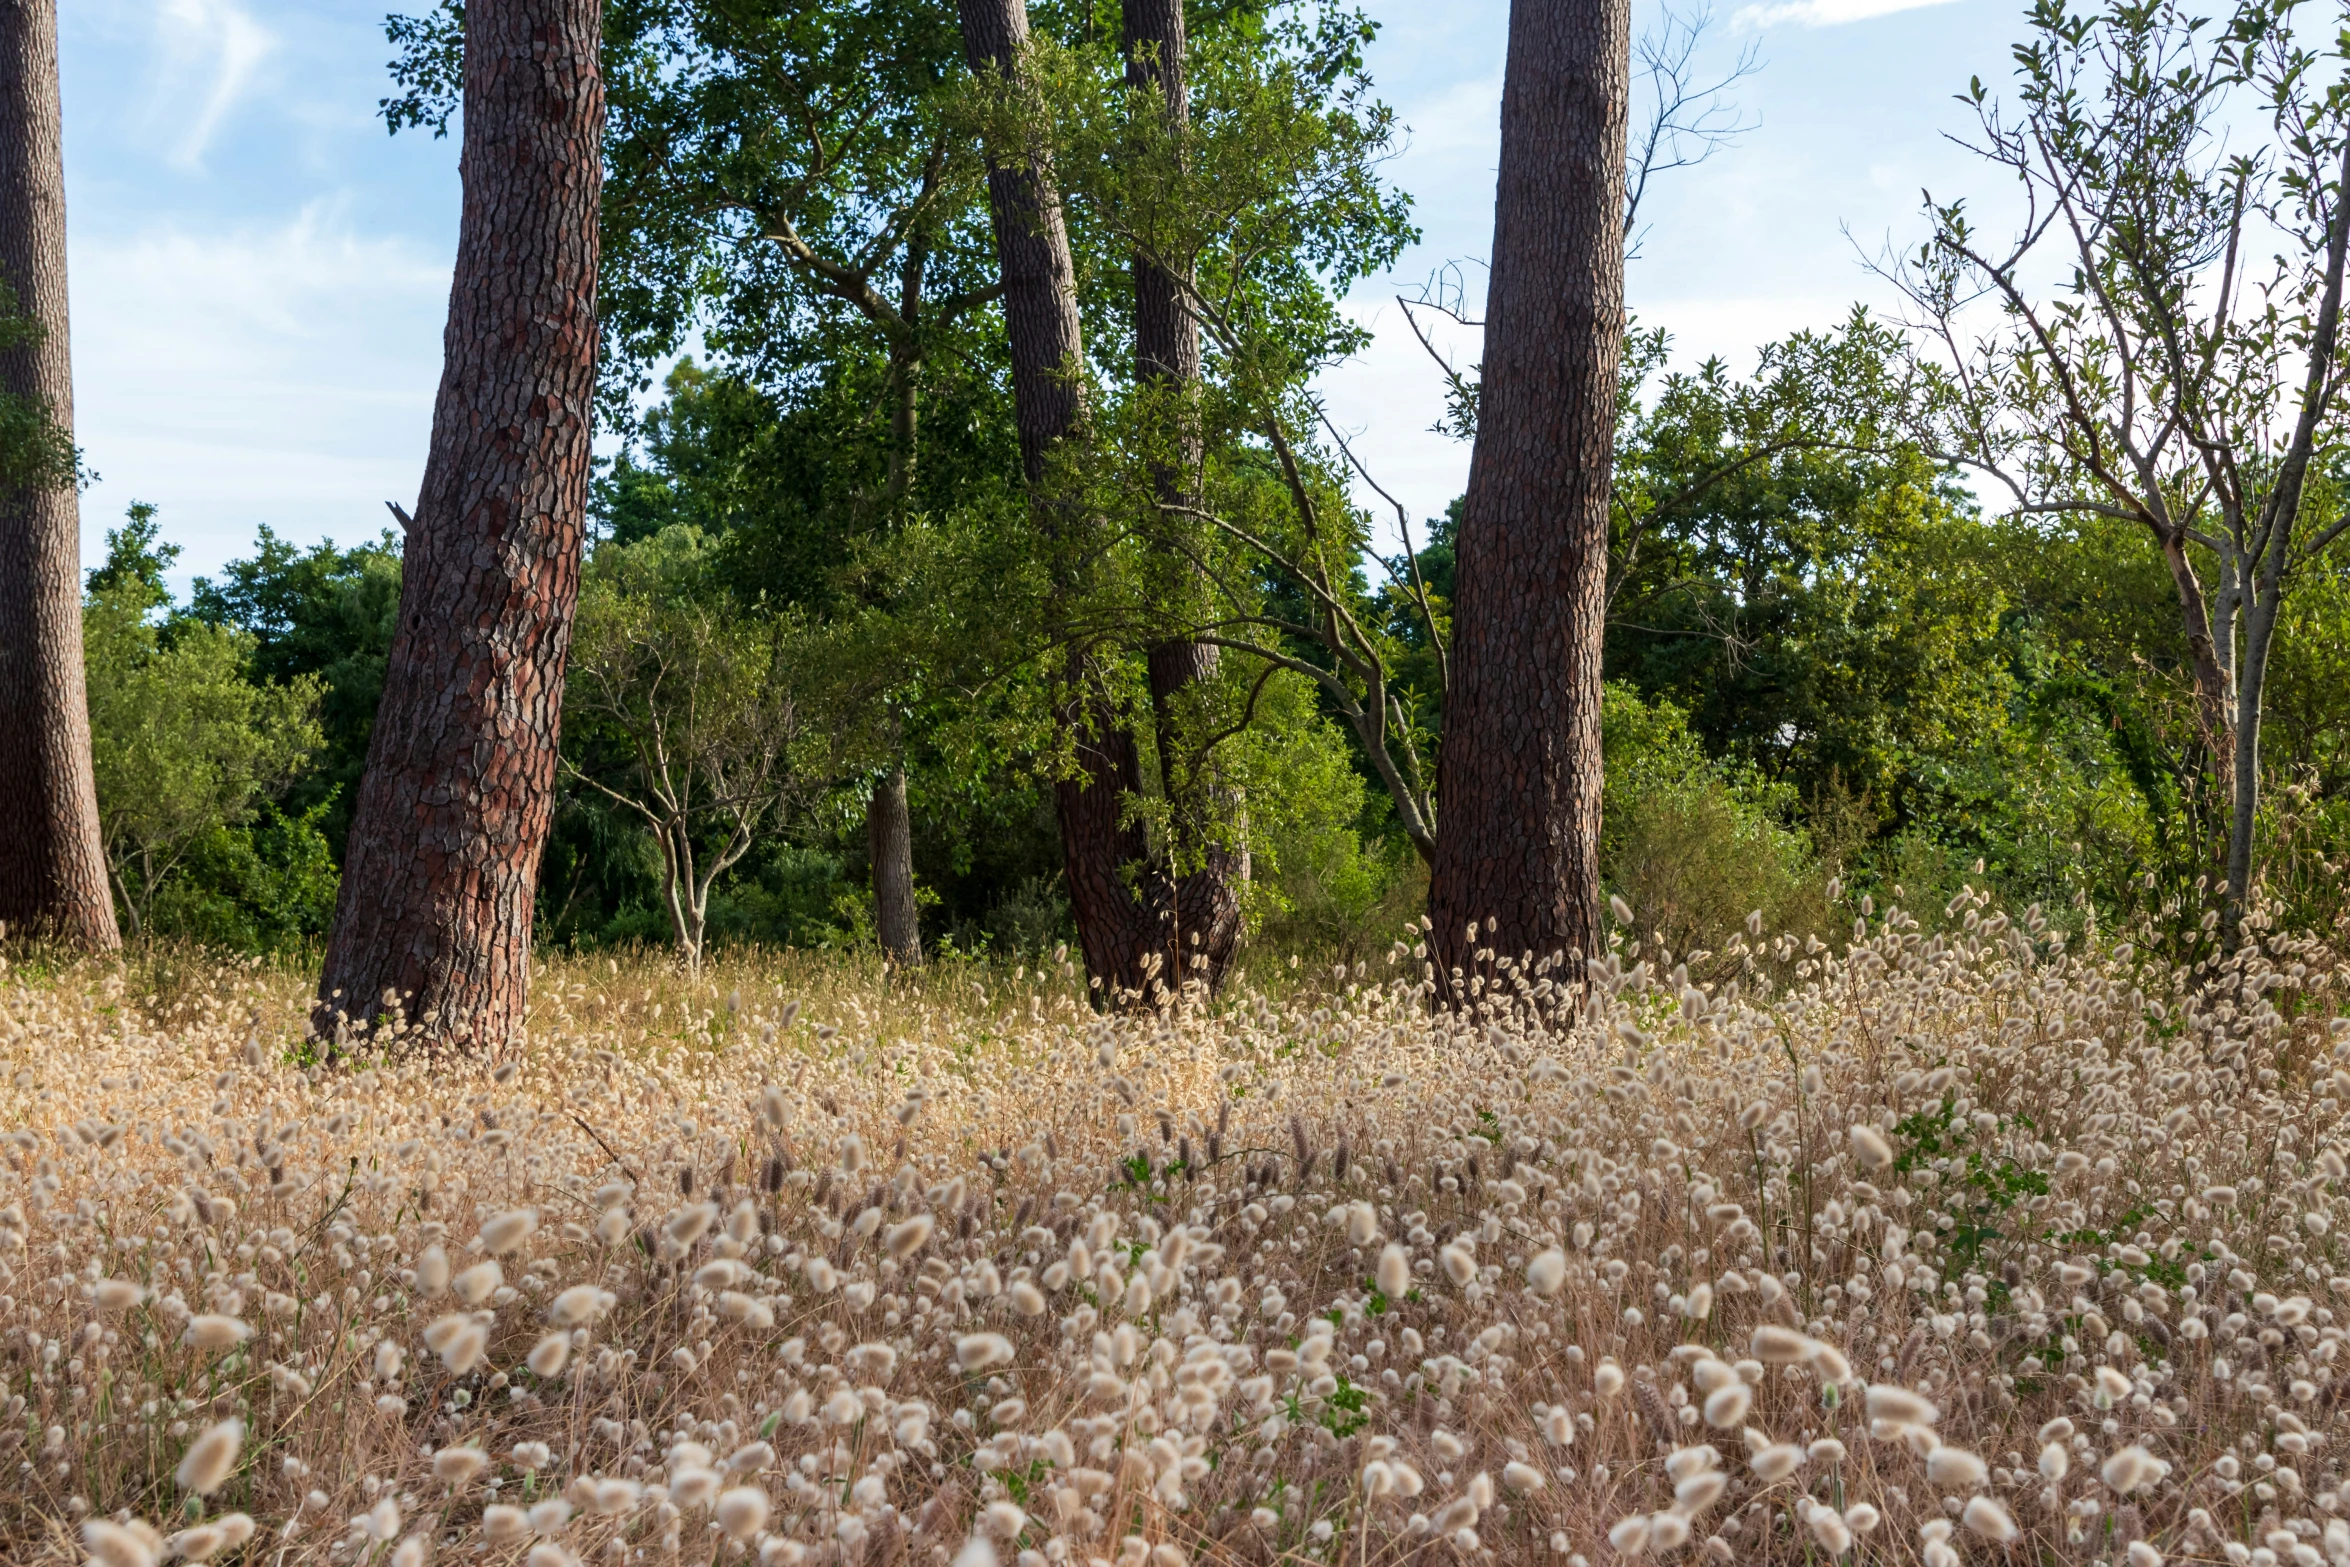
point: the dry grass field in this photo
(1942, 1248)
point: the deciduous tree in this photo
(691, 691)
(2167, 376)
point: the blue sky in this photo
(260, 274)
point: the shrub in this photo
(1692, 845)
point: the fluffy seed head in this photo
(1827, 1527)
(214, 1332)
(432, 1271)
(907, 1238)
(478, 1283)
(211, 1458)
(1899, 1406)
(978, 1351)
(457, 1467)
(1726, 1406)
(2132, 1468)
(114, 1545)
(742, 1511)
(1956, 1469)
(502, 1232)
(1547, 1272)
(1987, 1518)
(1777, 1346)
(550, 1355)
(119, 1295)
(581, 1303)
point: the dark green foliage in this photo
(36, 452)
(266, 886)
(1693, 844)
(194, 758)
(1824, 658)
(320, 612)
(136, 560)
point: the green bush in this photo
(189, 753)
(266, 886)
(1695, 845)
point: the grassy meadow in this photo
(1976, 1244)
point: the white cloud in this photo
(271, 374)
(1823, 13)
(207, 55)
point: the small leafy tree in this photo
(2126, 355)
(681, 711)
(185, 745)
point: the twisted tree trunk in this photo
(433, 922)
(1519, 777)
(53, 879)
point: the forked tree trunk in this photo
(53, 879)
(433, 922)
(1518, 851)
(1196, 915)
(889, 840)
(1048, 406)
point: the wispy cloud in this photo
(208, 53)
(278, 373)
(1823, 13)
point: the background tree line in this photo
(984, 573)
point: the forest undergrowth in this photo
(1978, 1244)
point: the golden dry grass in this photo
(1944, 1247)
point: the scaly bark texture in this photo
(889, 836)
(434, 920)
(1195, 917)
(52, 868)
(1519, 780)
(1116, 933)
(1032, 251)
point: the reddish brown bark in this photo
(52, 869)
(434, 919)
(1519, 780)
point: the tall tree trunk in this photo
(434, 918)
(1032, 252)
(889, 828)
(53, 877)
(1048, 405)
(1520, 773)
(1197, 912)
(889, 836)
